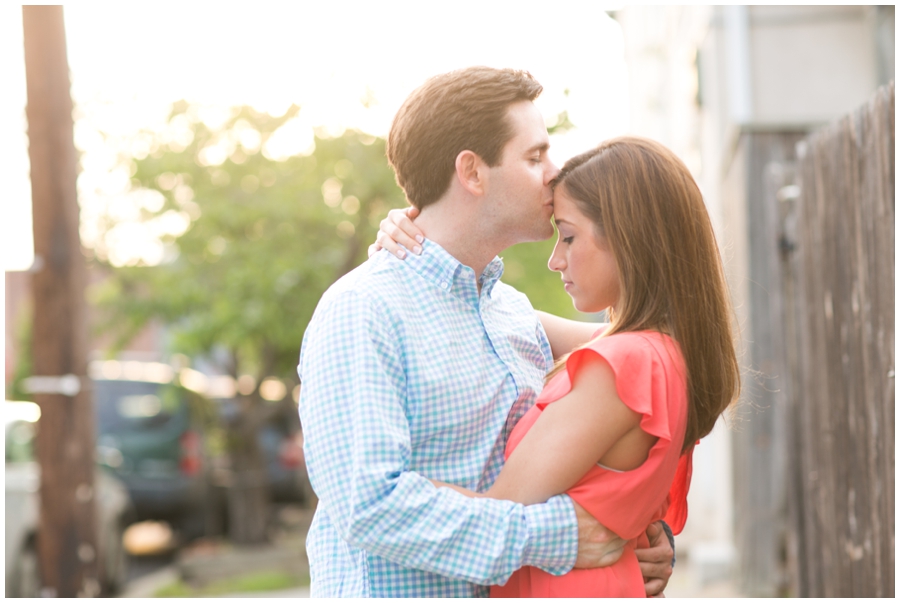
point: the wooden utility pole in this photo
(67, 546)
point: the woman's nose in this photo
(556, 262)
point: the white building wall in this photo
(810, 63)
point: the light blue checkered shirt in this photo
(409, 374)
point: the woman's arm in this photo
(565, 335)
(572, 435)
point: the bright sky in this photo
(129, 61)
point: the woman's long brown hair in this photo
(643, 200)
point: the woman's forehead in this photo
(564, 207)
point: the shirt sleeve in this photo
(358, 448)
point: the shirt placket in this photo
(503, 349)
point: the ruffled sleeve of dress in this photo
(640, 376)
(650, 380)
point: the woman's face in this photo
(583, 258)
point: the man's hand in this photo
(655, 561)
(597, 546)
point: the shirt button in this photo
(444, 284)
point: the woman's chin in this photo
(585, 307)
(580, 306)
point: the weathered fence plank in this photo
(812, 275)
(843, 329)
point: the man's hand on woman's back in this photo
(600, 547)
(597, 545)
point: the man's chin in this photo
(546, 232)
(539, 232)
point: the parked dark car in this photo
(22, 476)
(285, 463)
(154, 437)
(281, 443)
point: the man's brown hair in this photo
(450, 113)
(643, 200)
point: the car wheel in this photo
(26, 576)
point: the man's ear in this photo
(471, 171)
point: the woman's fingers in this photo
(401, 230)
(397, 230)
(403, 218)
(397, 233)
(383, 240)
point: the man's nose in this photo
(551, 173)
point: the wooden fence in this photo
(838, 262)
(811, 227)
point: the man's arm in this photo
(358, 450)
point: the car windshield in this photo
(135, 405)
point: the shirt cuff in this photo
(552, 535)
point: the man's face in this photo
(521, 200)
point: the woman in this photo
(619, 416)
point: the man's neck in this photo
(462, 236)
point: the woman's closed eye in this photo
(568, 240)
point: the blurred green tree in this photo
(265, 239)
(525, 268)
(262, 239)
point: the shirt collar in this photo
(447, 273)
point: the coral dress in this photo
(650, 379)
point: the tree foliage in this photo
(525, 268)
(265, 239)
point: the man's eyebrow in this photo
(542, 146)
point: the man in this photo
(419, 369)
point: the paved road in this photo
(147, 564)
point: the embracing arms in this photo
(590, 424)
(359, 448)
